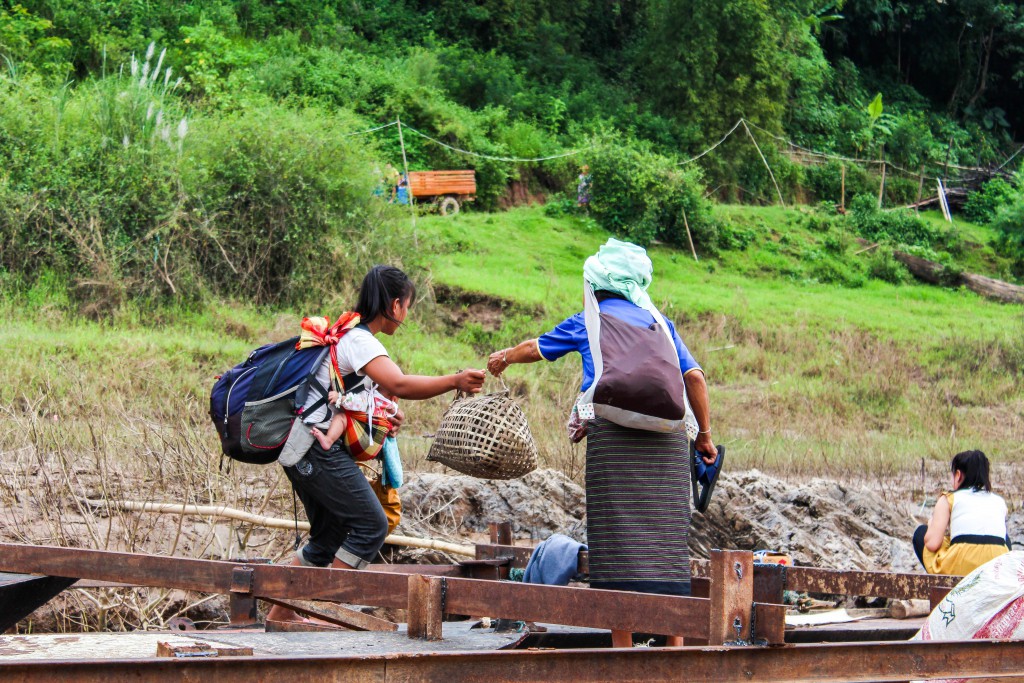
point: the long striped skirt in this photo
(638, 509)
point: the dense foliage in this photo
(271, 89)
(113, 185)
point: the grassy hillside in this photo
(806, 377)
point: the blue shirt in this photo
(571, 335)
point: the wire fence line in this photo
(740, 122)
(497, 158)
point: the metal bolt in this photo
(738, 569)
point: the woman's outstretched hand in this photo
(470, 381)
(497, 362)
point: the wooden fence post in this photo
(426, 606)
(732, 596)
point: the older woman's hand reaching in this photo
(524, 352)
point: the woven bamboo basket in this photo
(485, 436)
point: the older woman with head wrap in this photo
(637, 479)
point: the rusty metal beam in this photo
(732, 596)
(809, 579)
(519, 555)
(554, 604)
(844, 663)
(883, 584)
(210, 576)
(426, 606)
(638, 612)
(501, 533)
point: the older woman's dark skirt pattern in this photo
(638, 509)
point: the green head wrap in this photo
(622, 268)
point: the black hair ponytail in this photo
(975, 468)
(381, 286)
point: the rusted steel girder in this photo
(884, 584)
(209, 576)
(807, 579)
(845, 663)
(554, 604)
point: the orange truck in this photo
(446, 189)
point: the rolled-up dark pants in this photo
(918, 542)
(346, 519)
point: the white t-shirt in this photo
(357, 348)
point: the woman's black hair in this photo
(381, 286)
(974, 466)
(604, 294)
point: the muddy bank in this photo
(821, 523)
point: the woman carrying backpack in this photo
(347, 523)
(637, 479)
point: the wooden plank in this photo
(426, 606)
(21, 595)
(301, 627)
(732, 596)
(337, 615)
(166, 649)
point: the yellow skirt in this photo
(960, 559)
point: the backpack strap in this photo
(310, 383)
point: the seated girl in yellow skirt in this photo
(974, 517)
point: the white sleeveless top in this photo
(980, 513)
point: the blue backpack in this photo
(254, 404)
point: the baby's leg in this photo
(334, 431)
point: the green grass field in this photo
(806, 377)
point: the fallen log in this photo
(268, 522)
(993, 289)
(936, 274)
(923, 269)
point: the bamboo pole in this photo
(881, 185)
(770, 174)
(268, 522)
(689, 236)
(408, 180)
(842, 188)
(920, 190)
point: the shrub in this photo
(982, 206)
(830, 270)
(883, 266)
(825, 181)
(1009, 222)
(642, 195)
(736, 237)
(836, 243)
(900, 226)
(819, 222)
